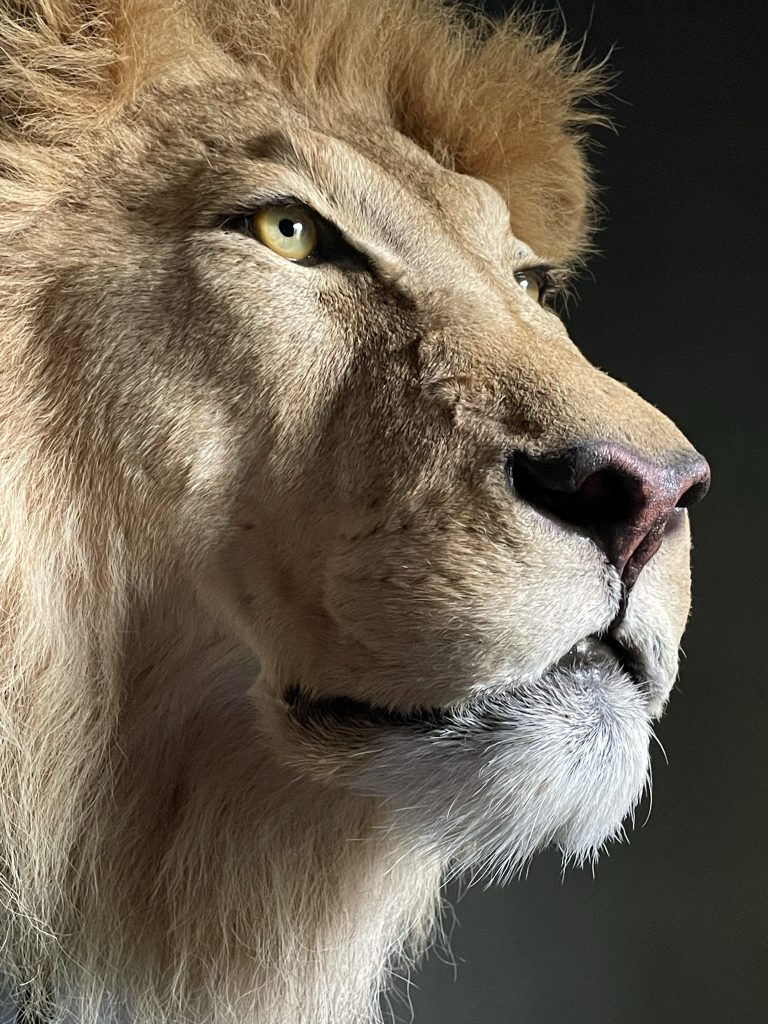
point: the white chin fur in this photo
(562, 760)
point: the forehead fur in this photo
(499, 101)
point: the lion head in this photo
(329, 562)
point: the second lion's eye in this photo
(290, 231)
(532, 282)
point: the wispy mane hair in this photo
(501, 101)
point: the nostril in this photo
(698, 489)
(691, 497)
(602, 497)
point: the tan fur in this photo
(220, 478)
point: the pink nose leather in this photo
(622, 499)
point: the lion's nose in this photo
(619, 497)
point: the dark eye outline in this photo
(548, 278)
(330, 247)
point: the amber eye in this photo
(531, 283)
(290, 231)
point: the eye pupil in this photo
(291, 232)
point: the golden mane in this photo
(500, 101)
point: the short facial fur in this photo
(282, 643)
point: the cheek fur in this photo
(441, 615)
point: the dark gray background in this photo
(674, 927)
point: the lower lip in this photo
(587, 662)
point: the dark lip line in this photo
(349, 710)
(312, 710)
(627, 658)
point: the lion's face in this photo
(327, 451)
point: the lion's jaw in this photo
(525, 757)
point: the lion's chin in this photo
(561, 760)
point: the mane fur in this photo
(501, 102)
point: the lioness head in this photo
(293, 426)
